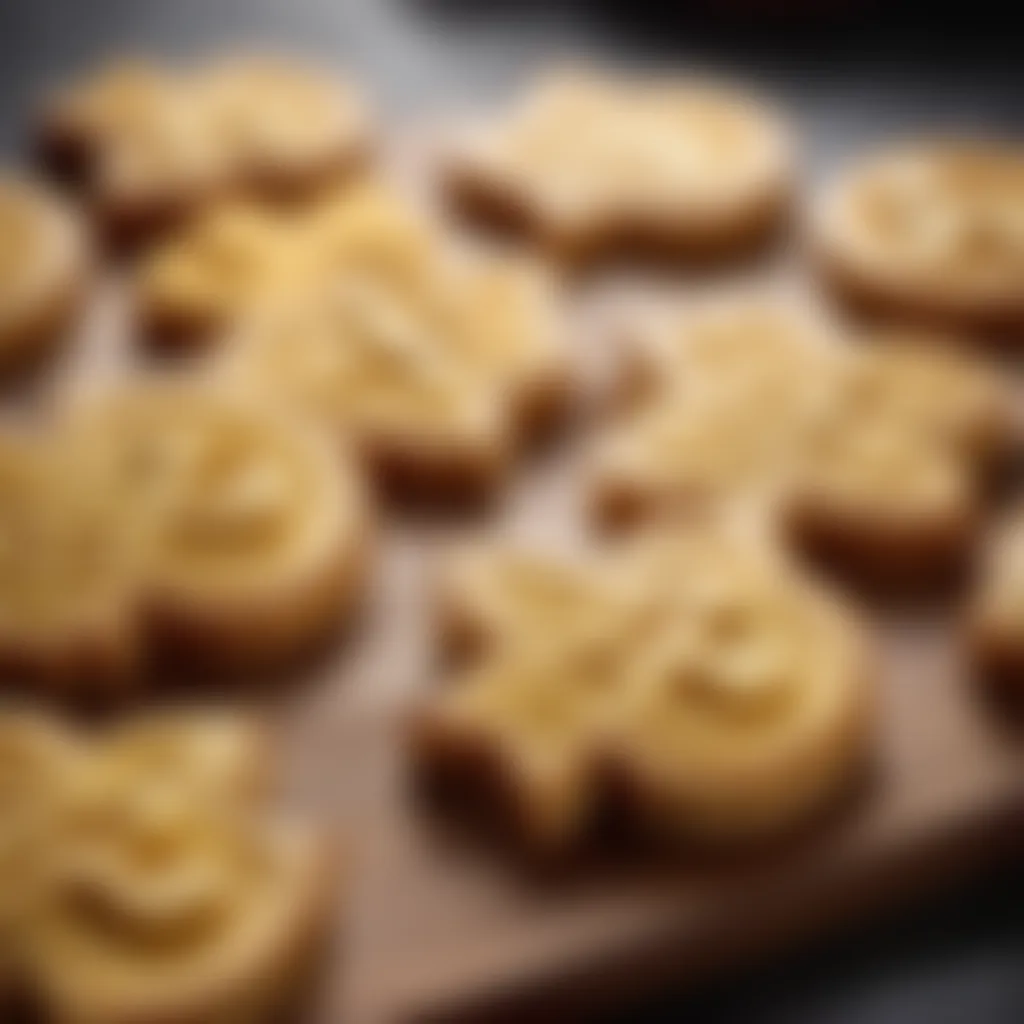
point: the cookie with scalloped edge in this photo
(151, 144)
(590, 163)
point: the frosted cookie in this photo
(720, 399)
(933, 231)
(42, 270)
(162, 897)
(254, 526)
(692, 692)
(995, 616)
(153, 144)
(436, 375)
(245, 255)
(589, 163)
(67, 574)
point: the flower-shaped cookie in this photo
(252, 528)
(43, 265)
(590, 163)
(244, 255)
(435, 374)
(691, 672)
(153, 144)
(934, 231)
(162, 888)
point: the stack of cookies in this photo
(685, 671)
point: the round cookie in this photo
(752, 711)
(933, 232)
(591, 163)
(43, 264)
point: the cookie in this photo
(162, 891)
(246, 255)
(720, 398)
(151, 144)
(254, 527)
(930, 232)
(438, 375)
(67, 572)
(43, 264)
(682, 689)
(893, 465)
(591, 164)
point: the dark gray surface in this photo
(849, 80)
